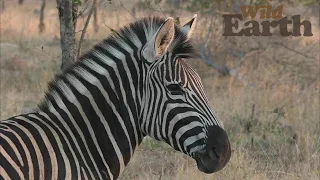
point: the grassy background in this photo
(270, 111)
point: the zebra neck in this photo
(98, 102)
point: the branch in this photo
(84, 8)
(224, 70)
(210, 31)
(242, 55)
(209, 60)
(121, 4)
(85, 28)
(149, 7)
(95, 17)
(293, 50)
(104, 22)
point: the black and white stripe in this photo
(96, 113)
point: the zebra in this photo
(133, 84)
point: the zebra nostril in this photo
(213, 153)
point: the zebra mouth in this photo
(213, 158)
(208, 162)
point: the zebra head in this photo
(175, 108)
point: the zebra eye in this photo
(175, 89)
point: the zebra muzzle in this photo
(217, 152)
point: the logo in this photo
(255, 28)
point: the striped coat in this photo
(95, 114)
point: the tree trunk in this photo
(41, 24)
(67, 17)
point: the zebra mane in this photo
(141, 30)
(145, 28)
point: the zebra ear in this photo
(164, 37)
(189, 28)
(160, 42)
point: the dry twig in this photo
(208, 59)
(293, 50)
(85, 28)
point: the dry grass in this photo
(280, 139)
